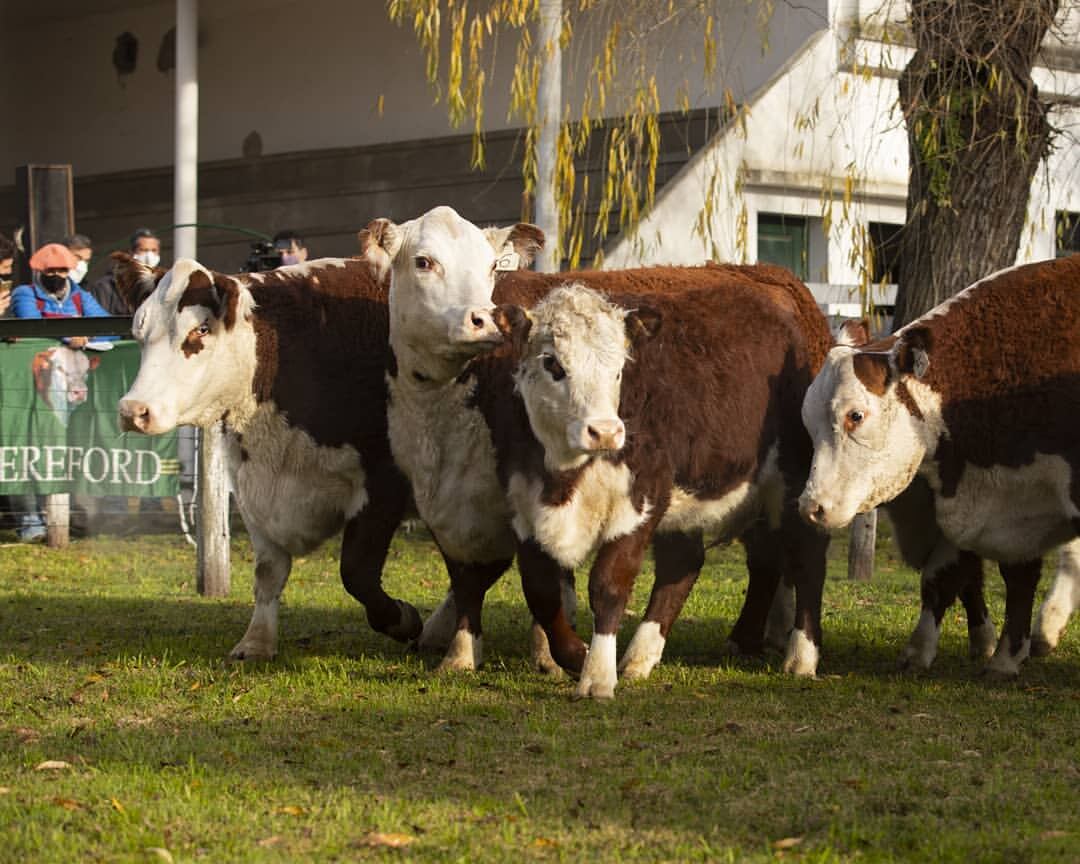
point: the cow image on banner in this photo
(60, 379)
(58, 426)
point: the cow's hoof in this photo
(1040, 647)
(1000, 674)
(540, 651)
(440, 627)
(598, 674)
(252, 652)
(410, 625)
(464, 654)
(802, 655)
(643, 652)
(734, 649)
(915, 658)
(594, 690)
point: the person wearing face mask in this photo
(145, 247)
(291, 246)
(7, 264)
(83, 250)
(53, 293)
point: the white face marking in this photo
(571, 374)
(802, 655)
(867, 448)
(598, 674)
(196, 388)
(442, 280)
(599, 509)
(643, 652)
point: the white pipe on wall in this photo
(549, 114)
(186, 180)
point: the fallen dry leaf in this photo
(390, 841)
(291, 810)
(272, 840)
(786, 843)
(117, 806)
(544, 841)
(1053, 835)
(26, 735)
(52, 765)
(163, 854)
(67, 803)
(5, 790)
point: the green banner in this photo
(58, 424)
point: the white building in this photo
(316, 116)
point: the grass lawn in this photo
(350, 748)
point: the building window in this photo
(1067, 235)
(783, 240)
(885, 243)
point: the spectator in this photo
(145, 247)
(53, 294)
(7, 264)
(83, 249)
(291, 246)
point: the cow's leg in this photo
(469, 583)
(610, 581)
(1061, 601)
(781, 616)
(363, 552)
(272, 565)
(981, 633)
(542, 581)
(542, 658)
(804, 563)
(946, 574)
(1015, 644)
(764, 563)
(679, 559)
(440, 627)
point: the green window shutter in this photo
(782, 240)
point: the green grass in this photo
(110, 663)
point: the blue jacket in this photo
(31, 301)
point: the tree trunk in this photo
(976, 134)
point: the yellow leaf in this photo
(194, 687)
(52, 765)
(391, 841)
(5, 790)
(163, 854)
(272, 840)
(117, 806)
(292, 810)
(787, 843)
(544, 841)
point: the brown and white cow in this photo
(662, 415)
(292, 361)
(978, 397)
(448, 436)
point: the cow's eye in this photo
(203, 329)
(553, 367)
(422, 262)
(852, 419)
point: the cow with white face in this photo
(971, 398)
(664, 415)
(292, 362)
(457, 429)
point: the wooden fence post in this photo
(212, 520)
(57, 519)
(861, 547)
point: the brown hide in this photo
(1004, 357)
(704, 400)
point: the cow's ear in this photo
(226, 295)
(134, 280)
(515, 325)
(379, 243)
(912, 352)
(642, 325)
(854, 332)
(524, 238)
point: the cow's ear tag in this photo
(921, 364)
(508, 259)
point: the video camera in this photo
(263, 256)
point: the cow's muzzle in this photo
(598, 435)
(135, 416)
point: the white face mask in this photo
(289, 258)
(150, 259)
(78, 272)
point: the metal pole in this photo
(549, 113)
(185, 183)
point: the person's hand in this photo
(78, 341)
(5, 302)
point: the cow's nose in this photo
(605, 434)
(134, 415)
(812, 511)
(479, 324)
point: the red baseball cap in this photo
(53, 255)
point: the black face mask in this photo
(53, 284)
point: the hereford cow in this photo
(60, 379)
(453, 436)
(292, 361)
(978, 397)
